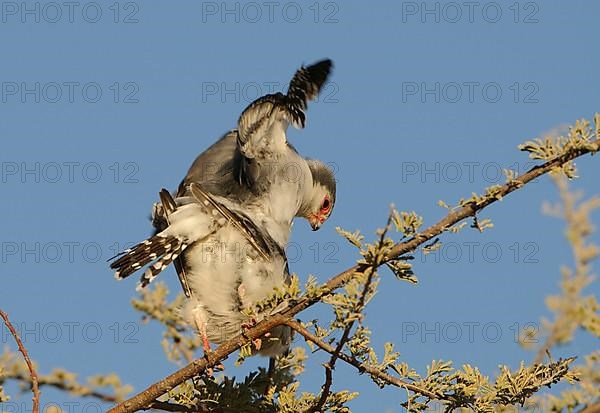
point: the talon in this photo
(210, 371)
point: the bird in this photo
(227, 273)
(228, 225)
(255, 165)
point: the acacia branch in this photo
(145, 398)
(362, 368)
(175, 407)
(593, 408)
(34, 377)
(326, 389)
(45, 381)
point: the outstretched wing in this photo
(262, 125)
(306, 85)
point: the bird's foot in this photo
(210, 371)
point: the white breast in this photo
(225, 275)
(291, 180)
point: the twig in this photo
(76, 389)
(570, 213)
(592, 408)
(34, 378)
(171, 407)
(175, 407)
(144, 398)
(356, 363)
(326, 390)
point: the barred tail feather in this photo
(159, 248)
(163, 262)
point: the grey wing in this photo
(231, 166)
(269, 110)
(217, 171)
(213, 169)
(262, 125)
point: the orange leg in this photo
(200, 322)
(204, 335)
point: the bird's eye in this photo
(325, 205)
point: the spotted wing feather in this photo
(169, 206)
(209, 202)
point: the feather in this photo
(261, 132)
(169, 206)
(205, 199)
(145, 252)
(304, 86)
(243, 180)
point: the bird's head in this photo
(319, 199)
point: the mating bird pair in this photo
(227, 227)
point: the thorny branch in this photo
(361, 367)
(145, 398)
(34, 377)
(45, 381)
(346, 333)
(174, 407)
(594, 408)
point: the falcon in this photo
(228, 226)
(255, 165)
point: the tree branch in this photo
(77, 389)
(145, 398)
(171, 407)
(174, 407)
(34, 377)
(308, 336)
(593, 408)
(326, 390)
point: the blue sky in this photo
(103, 104)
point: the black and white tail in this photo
(160, 248)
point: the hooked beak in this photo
(315, 222)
